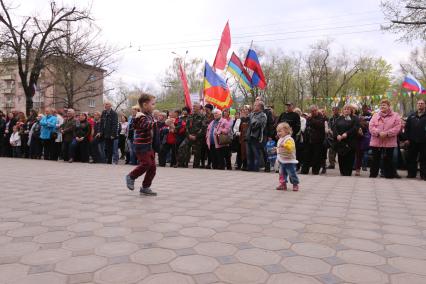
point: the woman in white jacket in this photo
(15, 142)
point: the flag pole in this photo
(251, 45)
(203, 88)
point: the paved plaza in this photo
(77, 223)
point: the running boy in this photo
(286, 150)
(144, 126)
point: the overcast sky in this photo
(157, 28)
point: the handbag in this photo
(53, 135)
(224, 139)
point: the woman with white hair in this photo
(48, 134)
(215, 144)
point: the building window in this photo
(92, 103)
(92, 77)
(9, 103)
(9, 99)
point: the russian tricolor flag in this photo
(412, 84)
(252, 62)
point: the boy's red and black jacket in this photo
(145, 133)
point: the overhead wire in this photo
(265, 34)
(256, 34)
(265, 40)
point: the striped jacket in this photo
(144, 132)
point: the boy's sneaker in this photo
(130, 183)
(147, 191)
(295, 187)
(282, 186)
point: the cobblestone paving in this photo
(76, 223)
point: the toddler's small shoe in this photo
(282, 186)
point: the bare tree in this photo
(416, 64)
(31, 41)
(407, 17)
(123, 96)
(80, 63)
(344, 71)
(317, 64)
(300, 81)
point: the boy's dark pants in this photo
(146, 166)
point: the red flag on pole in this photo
(184, 80)
(222, 52)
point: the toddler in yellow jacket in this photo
(286, 155)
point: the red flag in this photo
(222, 51)
(184, 80)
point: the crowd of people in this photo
(357, 139)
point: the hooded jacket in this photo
(390, 123)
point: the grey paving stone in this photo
(84, 234)
(41, 268)
(329, 279)
(274, 268)
(228, 259)
(206, 278)
(80, 278)
(388, 269)
(287, 253)
(242, 246)
(333, 260)
(185, 251)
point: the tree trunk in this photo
(29, 104)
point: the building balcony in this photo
(8, 90)
(9, 104)
(7, 77)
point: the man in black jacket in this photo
(314, 139)
(268, 132)
(292, 118)
(415, 131)
(108, 130)
(255, 136)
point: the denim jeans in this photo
(102, 155)
(253, 154)
(115, 156)
(289, 171)
(365, 158)
(132, 154)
